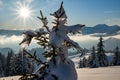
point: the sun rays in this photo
(24, 13)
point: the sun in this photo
(24, 12)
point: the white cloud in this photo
(1, 3)
(117, 36)
(113, 21)
(20, 2)
(83, 38)
(12, 39)
(85, 41)
(28, 1)
(110, 12)
(13, 42)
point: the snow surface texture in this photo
(105, 73)
(58, 37)
(64, 71)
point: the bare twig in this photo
(33, 56)
(44, 21)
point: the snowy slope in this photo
(10, 78)
(105, 73)
(76, 58)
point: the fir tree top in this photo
(100, 45)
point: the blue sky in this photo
(88, 12)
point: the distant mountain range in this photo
(100, 29)
(11, 32)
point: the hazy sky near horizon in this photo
(88, 12)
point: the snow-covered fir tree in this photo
(20, 64)
(2, 65)
(84, 62)
(80, 64)
(93, 59)
(102, 58)
(116, 58)
(56, 43)
(8, 63)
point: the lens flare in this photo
(24, 12)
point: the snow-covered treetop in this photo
(58, 34)
(56, 43)
(59, 16)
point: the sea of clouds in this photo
(85, 41)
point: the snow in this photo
(58, 37)
(62, 70)
(10, 78)
(110, 56)
(59, 13)
(104, 73)
(28, 35)
(61, 67)
(76, 58)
